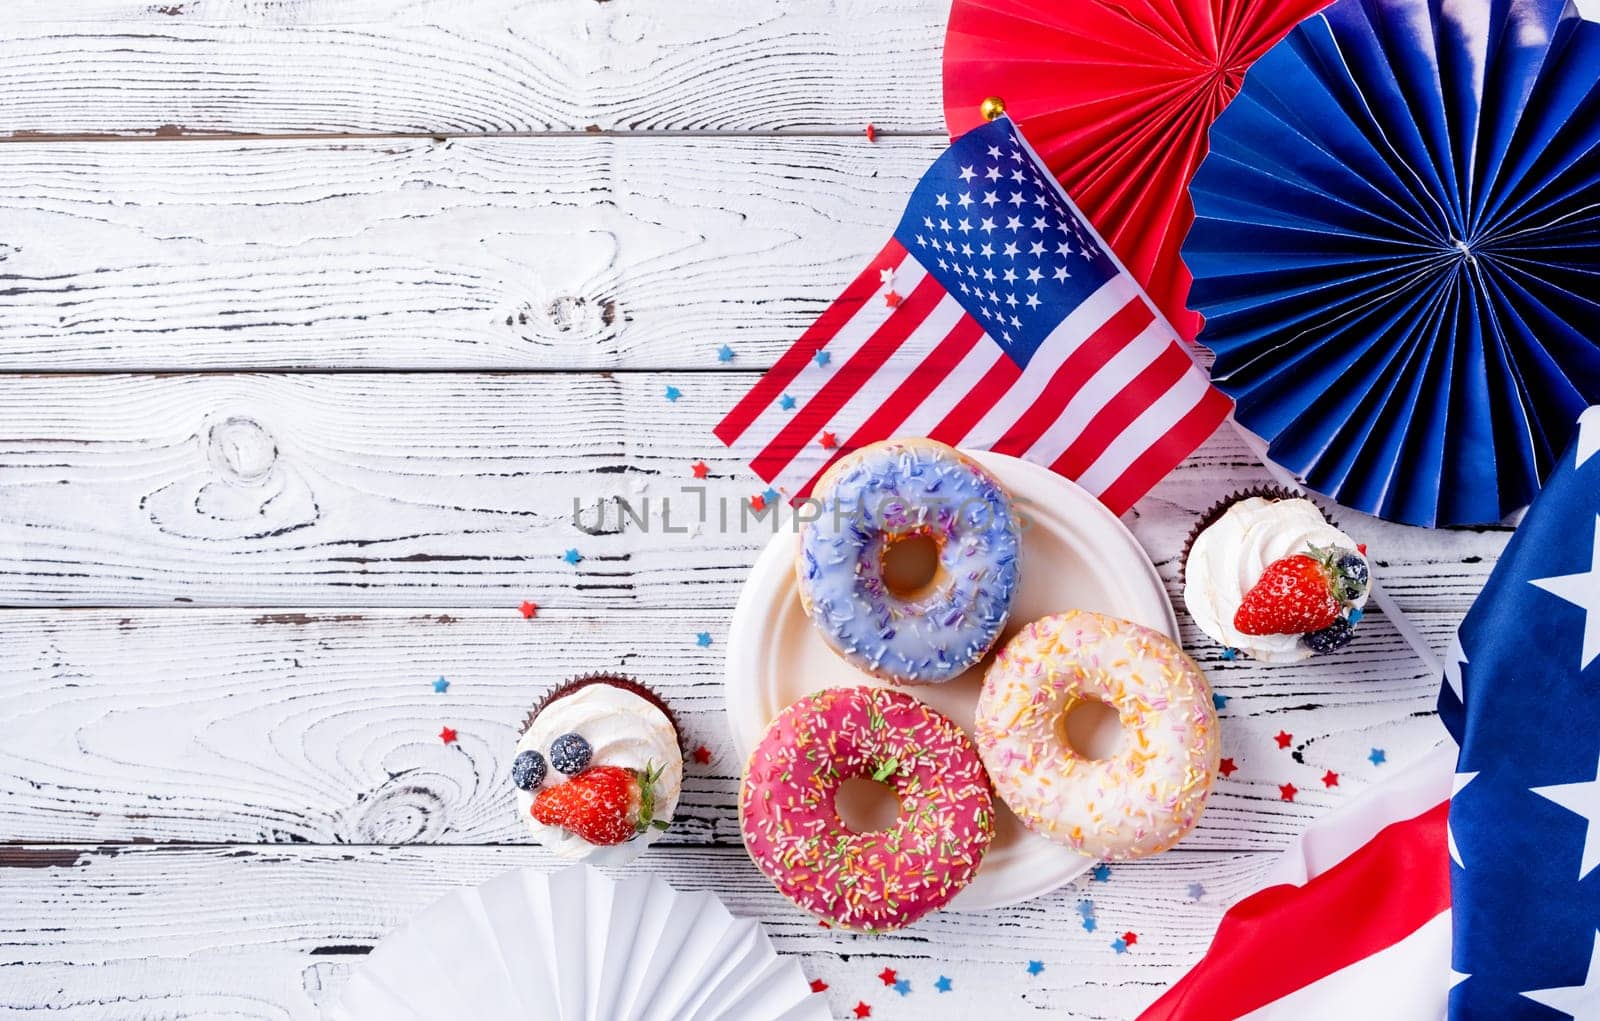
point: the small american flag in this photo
(995, 319)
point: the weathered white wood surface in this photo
(447, 490)
(569, 253)
(321, 726)
(271, 932)
(227, 592)
(166, 68)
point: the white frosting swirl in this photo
(1229, 557)
(623, 729)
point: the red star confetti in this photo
(872, 133)
(862, 1010)
(1284, 739)
(447, 735)
(825, 925)
(1330, 779)
(702, 755)
(829, 441)
(818, 986)
(700, 468)
(758, 502)
(529, 610)
(1226, 768)
(893, 299)
(1286, 791)
(888, 976)
(1130, 938)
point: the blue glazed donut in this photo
(883, 495)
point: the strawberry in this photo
(1294, 596)
(604, 805)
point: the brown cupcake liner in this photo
(1210, 517)
(622, 681)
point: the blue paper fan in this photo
(1397, 251)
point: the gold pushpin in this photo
(993, 108)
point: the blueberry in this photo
(570, 753)
(527, 770)
(1353, 575)
(1333, 637)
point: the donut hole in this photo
(909, 564)
(866, 805)
(1091, 728)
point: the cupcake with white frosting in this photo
(1266, 574)
(598, 770)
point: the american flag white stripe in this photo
(812, 455)
(1015, 330)
(943, 398)
(1154, 422)
(1079, 323)
(1308, 944)
(804, 388)
(1111, 378)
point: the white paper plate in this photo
(576, 946)
(1075, 555)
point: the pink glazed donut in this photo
(870, 882)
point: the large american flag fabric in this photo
(995, 319)
(1470, 887)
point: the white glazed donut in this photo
(1145, 796)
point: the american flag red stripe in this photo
(1112, 336)
(1012, 328)
(848, 380)
(770, 387)
(912, 391)
(1352, 922)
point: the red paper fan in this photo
(1117, 96)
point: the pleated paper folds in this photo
(1117, 97)
(1397, 251)
(577, 946)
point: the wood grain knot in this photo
(241, 451)
(569, 314)
(243, 489)
(403, 810)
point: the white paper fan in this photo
(577, 946)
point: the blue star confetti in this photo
(441, 685)
(903, 986)
(1196, 891)
(1355, 617)
(943, 985)
(786, 402)
(703, 639)
(1230, 654)
(1377, 758)
(1120, 945)
(823, 358)
(771, 497)
(1101, 873)
(1035, 967)
(1086, 909)
(725, 353)
(1220, 701)
(572, 556)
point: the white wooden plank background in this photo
(563, 253)
(195, 67)
(288, 427)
